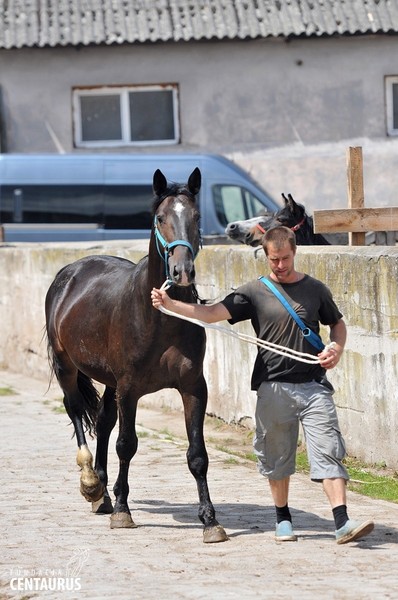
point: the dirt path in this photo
(50, 537)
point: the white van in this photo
(70, 197)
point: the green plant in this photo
(7, 391)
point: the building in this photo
(283, 87)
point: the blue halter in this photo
(167, 246)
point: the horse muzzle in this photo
(182, 273)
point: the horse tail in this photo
(90, 395)
(91, 402)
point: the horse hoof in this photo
(103, 506)
(92, 494)
(212, 535)
(122, 520)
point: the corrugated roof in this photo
(73, 22)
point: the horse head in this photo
(292, 215)
(249, 232)
(176, 226)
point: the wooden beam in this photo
(355, 190)
(356, 220)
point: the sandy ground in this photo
(50, 537)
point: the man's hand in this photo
(159, 298)
(330, 356)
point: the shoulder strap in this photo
(310, 335)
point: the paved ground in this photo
(51, 539)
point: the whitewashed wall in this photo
(364, 283)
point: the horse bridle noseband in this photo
(167, 246)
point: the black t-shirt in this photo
(314, 304)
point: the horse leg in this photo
(74, 401)
(126, 447)
(106, 421)
(90, 485)
(198, 462)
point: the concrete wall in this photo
(286, 111)
(364, 284)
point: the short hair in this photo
(279, 236)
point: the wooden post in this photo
(355, 190)
(357, 220)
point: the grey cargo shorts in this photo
(280, 408)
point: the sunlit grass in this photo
(231, 461)
(7, 391)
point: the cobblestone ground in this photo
(50, 539)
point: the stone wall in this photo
(363, 282)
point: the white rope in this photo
(282, 350)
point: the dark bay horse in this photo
(101, 326)
(292, 215)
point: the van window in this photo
(112, 206)
(51, 204)
(128, 206)
(235, 203)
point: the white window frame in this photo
(123, 91)
(390, 80)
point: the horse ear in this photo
(291, 203)
(194, 181)
(296, 209)
(159, 183)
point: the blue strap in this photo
(310, 335)
(167, 246)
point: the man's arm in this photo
(338, 335)
(208, 313)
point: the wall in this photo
(286, 111)
(364, 284)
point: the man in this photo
(289, 391)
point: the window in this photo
(125, 116)
(51, 204)
(392, 104)
(112, 206)
(236, 203)
(128, 207)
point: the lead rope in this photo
(282, 350)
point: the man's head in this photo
(279, 245)
(279, 237)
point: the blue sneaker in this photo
(353, 530)
(284, 532)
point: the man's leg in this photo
(347, 530)
(275, 445)
(326, 450)
(280, 494)
(335, 490)
(280, 490)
